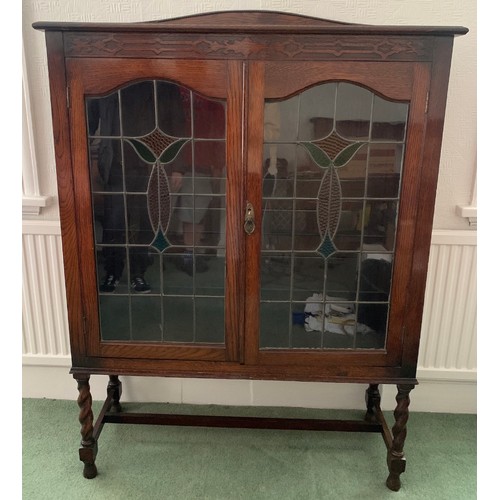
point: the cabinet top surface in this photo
(252, 22)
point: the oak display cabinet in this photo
(247, 195)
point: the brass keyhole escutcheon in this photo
(249, 225)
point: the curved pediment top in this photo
(251, 21)
(264, 18)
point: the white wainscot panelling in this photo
(447, 364)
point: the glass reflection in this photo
(105, 165)
(342, 276)
(176, 281)
(106, 258)
(375, 278)
(103, 116)
(348, 235)
(380, 223)
(145, 312)
(308, 272)
(389, 120)
(306, 329)
(332, 164)
(138, 109)
(275, 322)
(157, 156)
(354, 109)
(319, 102)
(353, 175)
(373, 317)
(209, 281)
(209, 314)
(280, 120)
(178, 319)
(275, 276)
(305, 219)
(137, 172)
(109, 219)
(114, 316)
(174, 109)
(384, 170)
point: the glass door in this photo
(158, 189)
(333, 158)
(158, 180)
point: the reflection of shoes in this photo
(109, 284)
(139, 285)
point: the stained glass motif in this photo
(328, 211)
(143, 151)
(160, 242)
(330, 153)
(158, 200)
(326, 278)
(157, 154)
(332, 145)
(158, 142)
(158, 148)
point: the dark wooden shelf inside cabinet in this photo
(243, 195)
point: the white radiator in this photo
(45, 324)
(447, 350)
(448, 342)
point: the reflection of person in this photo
(196, 182)
(103, 114)
(277, 222)
(191, 213)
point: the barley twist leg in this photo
(88, 448)
(396, 460)
(115, 390)
(372, 398)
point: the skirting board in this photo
(448, 393)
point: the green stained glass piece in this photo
(317, 154)
(160, 242)
(171, 152)
(346, 154)
(143, 151)
(327, 247)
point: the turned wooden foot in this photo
(88, 448)
(396, 460)
(115, 391)
(372, 398)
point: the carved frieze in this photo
(246, 46)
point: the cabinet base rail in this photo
(374, 421)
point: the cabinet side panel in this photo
(62, 147)
(428, 184)
(403, 291)
(82, 213)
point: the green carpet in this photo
(154, 462)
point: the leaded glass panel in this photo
(333, 159)
(157, 155)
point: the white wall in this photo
(457, 173)
(451, 389)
